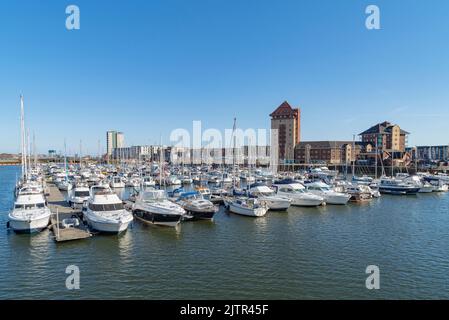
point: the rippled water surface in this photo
(303, 254)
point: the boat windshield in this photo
(81, 193)
(30, 206)
(153, 196)
(106, 207)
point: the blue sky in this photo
(147, 67)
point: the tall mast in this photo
(233, 151)
(22, 138)
(377, 154)
(34, 149)
(81, 153)
(28, 147)
(65, 158)
(160, 162)
(353, 155)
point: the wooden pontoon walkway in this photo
(61, 210)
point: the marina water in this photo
(305, 253)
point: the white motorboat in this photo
(117, 182)
(30, 213)
(78, 196)
(397, 187)
(153, 207)
(205, 192)
(196, 206)
(65, 185)
(441, 188)
(330, 196)
(358, 192)
(133, 182)
(187, 180)
(148, 181)
(173, 181)
(250, 207)
(104, 211)
(298, 195)
(267, 195)
(427, 188)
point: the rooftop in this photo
(380, 128)
(285, 109)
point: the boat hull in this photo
(201, 215)
(23, 226)
(297, 202)
(399, 191)
(107, 226)
(258, 212)
(337, 200)
(168, 220)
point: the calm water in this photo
(302, 254)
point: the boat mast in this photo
(377, 153)
(233, 151)
(22, 138)
(28, 158)
(34, 150)
(160, 161)
(353, 156)
(81, 154)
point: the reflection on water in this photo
(303, 253)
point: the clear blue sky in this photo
(147, 67)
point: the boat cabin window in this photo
(30, 206)
(81, 193)
(106, 207)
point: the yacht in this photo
(117, 182)
(397, 187)
(427, 188)
(250, 207)
(186, 180)
(196, 206)
(30, 213)
(362, 180)
(64, 185)
(267, 195)
(79, 195)
(205, 192)
(148, 182)
(441, 188)
(298, 195)
(104, 211)
(133, 182)
(358, 193)
(173, 181)
(153, 207)
(330, 196)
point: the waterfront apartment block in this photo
(134, 152)
(287, 121)
(114, 140)
(386, 136)
(327, 152)
(183, 155)
(430, 153)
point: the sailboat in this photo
(30, 213)
(65, 184)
